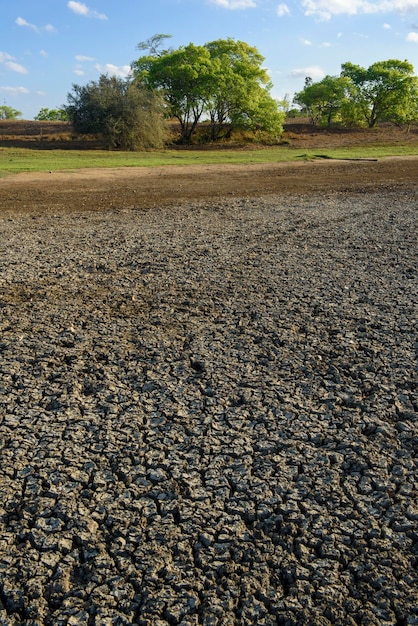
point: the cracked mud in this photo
(208, 412)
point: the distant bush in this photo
(7, 113)
(51, 115)
(126, 115)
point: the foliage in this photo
(8, 113)
(386, 91)
(325, 99)
(59, 115)
(383, 91)
(405, 112)
(32, 160)
(126, 115)
(239, 94)
(182, 77)
(285, 104)
(222, 81)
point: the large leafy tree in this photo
(126, 115)
(238, 93)
(222, 80)
(325, 99)
(383, 90)
(182, 76)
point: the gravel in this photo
(209, 413)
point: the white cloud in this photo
(82, 9)
(325, 9)
(306, 42)
(121, 71)
(78, 71)
(283, 10)
(14, 91)
(387, 26)
(403, 6)
(235, 4)
(412, 37)
(43, 53)
(82, 58)
(4, 56)
(10, 64)
(314, 71)
(20, 21)
(15, 67)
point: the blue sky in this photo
(47, 45)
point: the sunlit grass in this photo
(16, 160)
(366, 152)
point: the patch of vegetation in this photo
(223, 81)
(126, 115)
(13, 161)
(385, 91)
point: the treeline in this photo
(224, 83)
(385, 91)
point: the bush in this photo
(125, 115)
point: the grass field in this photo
(15, 160)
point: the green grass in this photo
(15, 160)
(364, 152)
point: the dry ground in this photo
(208, 409)
(145, 187)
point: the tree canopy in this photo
(324, 100)
(222, 81)
(180, 76)
(381, 89)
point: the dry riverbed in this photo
(209, 405)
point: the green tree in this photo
(222, 80)
(383, 90)
(324, 100)
(8, 113)
(126, 115)
(238, 90)
(59, 115)
(404, 113)
(181, 76)
(264, 114)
